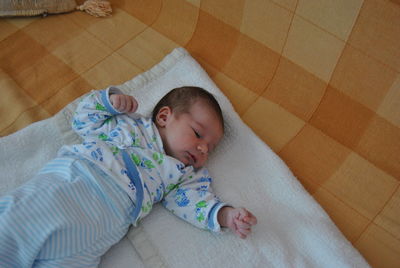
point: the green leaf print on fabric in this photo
(142, 163)
(171, 187)
(201, 204)
(200, 217)
(199, 210)
(135, 140)
(158, 157)
(149, 164)
(103, 137)
(115, 150)
(108, 120)
(147, 207)
(100, 107)
(136, 159)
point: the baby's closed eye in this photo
(196, 133)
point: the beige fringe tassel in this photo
(97, 8)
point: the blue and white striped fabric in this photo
(68, 215)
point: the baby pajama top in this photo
(124, 153)
(129, 149)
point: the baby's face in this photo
(190, 137)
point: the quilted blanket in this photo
(317, 81)
(293, 230)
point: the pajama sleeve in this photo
(193, 201)
(94, 116)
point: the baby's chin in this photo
(186, 161)
(189, 163)
(196, 166)
(182, 159)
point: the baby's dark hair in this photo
(180, 100)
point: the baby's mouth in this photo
(192, 159)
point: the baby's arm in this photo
(193, 201)
(239, 220)
(94, 115)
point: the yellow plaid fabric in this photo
(318, 81)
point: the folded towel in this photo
(292, 231)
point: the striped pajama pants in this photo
(68, 215)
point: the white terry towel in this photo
(292, 231)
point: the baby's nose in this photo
(203, 148)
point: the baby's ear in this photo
(163, 116)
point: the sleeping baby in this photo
(83, 202)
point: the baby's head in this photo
(190, 123)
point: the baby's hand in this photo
(239, 220)
(124, 103)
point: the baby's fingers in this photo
(250, 219)
(115, 101)
(242, 224)
(243, 233)
(238, 233)
(123, 104)
(118, 102)
(133, 105)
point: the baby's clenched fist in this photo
(124, 103)
(239, 220)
